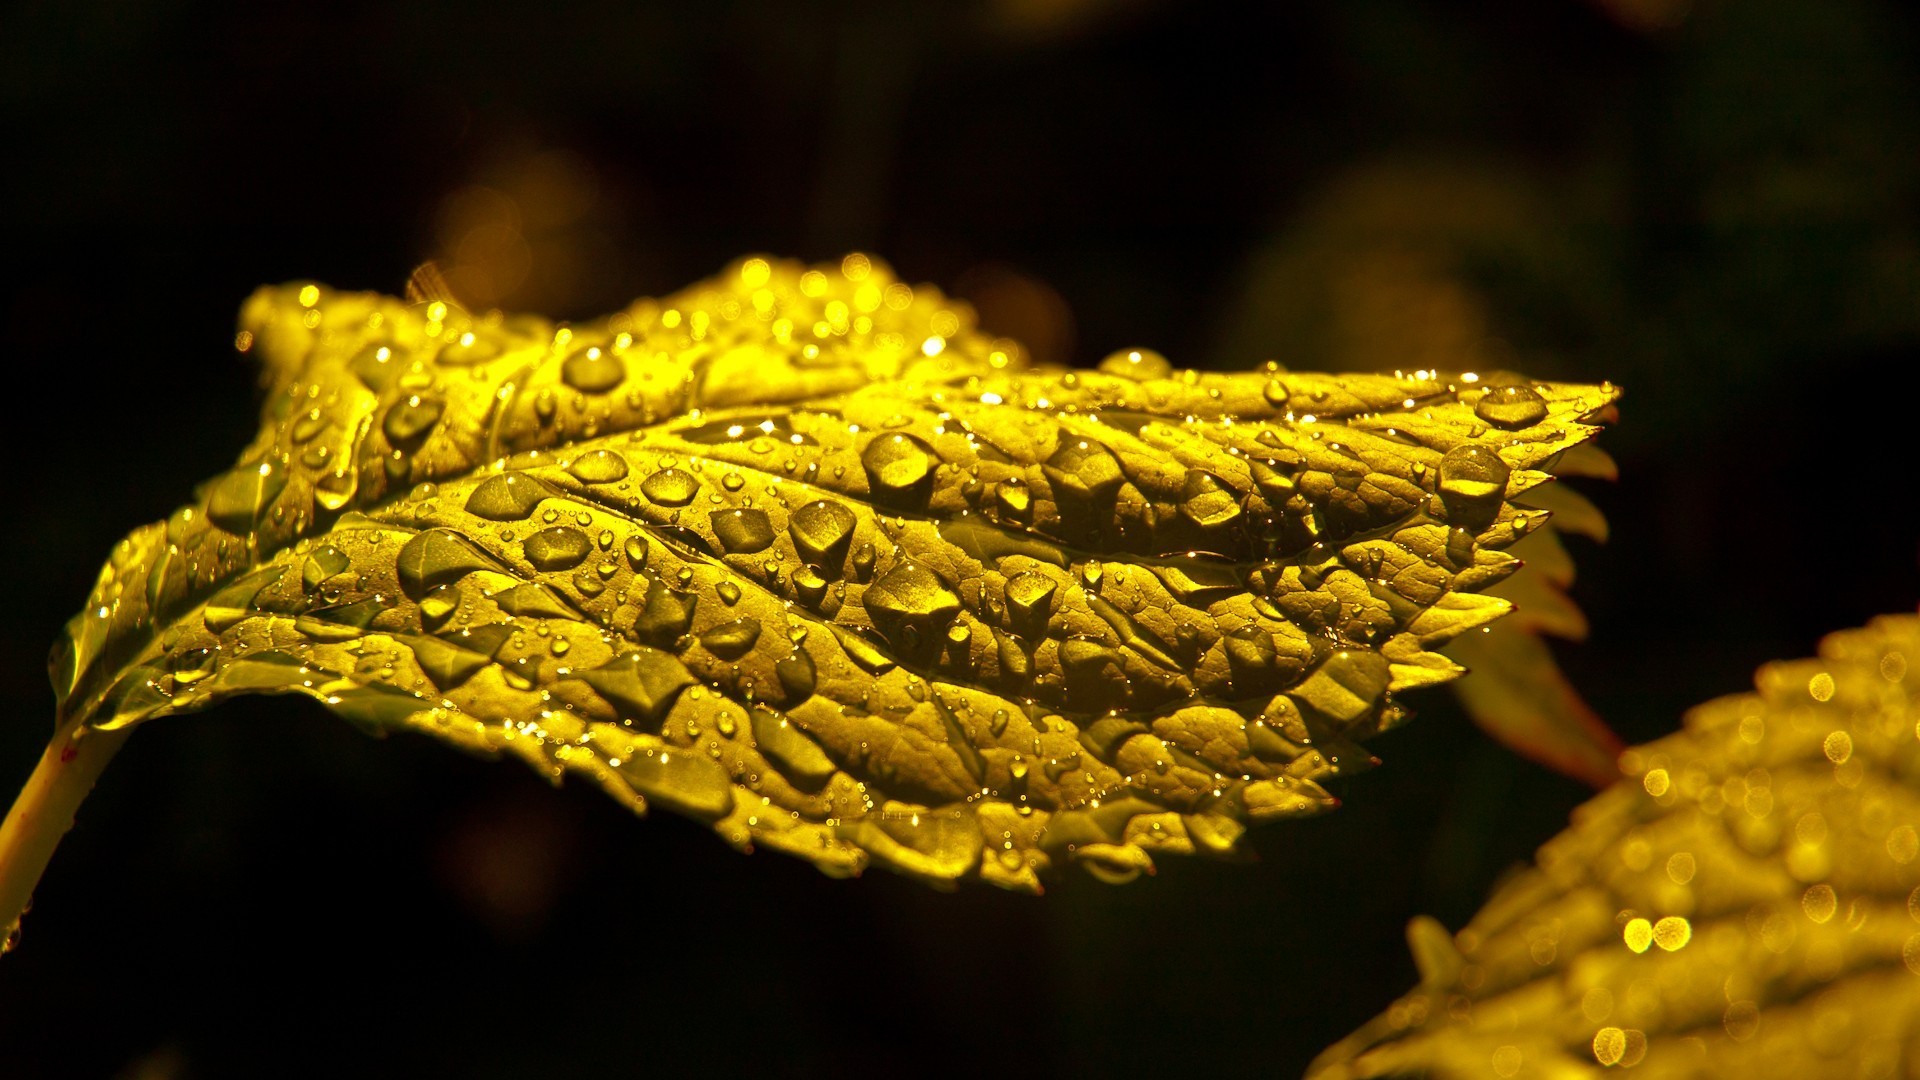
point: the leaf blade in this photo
(860, 591)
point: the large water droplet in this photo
(324, 562)
(797, 676)
(1473, 481)
(447, 663)
(1013, 500)
(643, 684)
(1029, 602)
(731, 640)
(507, 497)
(469, 349)
(798, 757)
(593, 371)
(1511, 407)
(240, 498)
(438, 606)
(1083, 470)
(664, 615)
(1207, 501)
(534, 601)
(742, 532)
(821, 531)
(437, 557)
(670, 487)
(559, 548)
(1137, 364)
(411, 419)
(598, 467)
(1347, 684)
(681, 781)
(899, 469)
(376, 365)
(909, 597)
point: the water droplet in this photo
(534, 601)
(598, 467)
(809, 586)
(377, 366)
(664, 615)
(670, 487)
(794, 751)
(821, 531)
(324, 562)
(1473, 481)
(731, 640)
(468, 349)
(507, 497)
(696, 786)
(643, 684)
(1013, 500)
(1137, 364)
(1207, 501)
(742, 532)
(559, 548)
(732, 481)
(239, 500)
(437, 557)
(1473, 472)
(1030, 601)
(899, 470)
(729, 593)
(910, 597)
(593, 371)
(796, 675)
(636, 550)
(438, 606)
(1510, 407)
(1083, 470)
(409, 420)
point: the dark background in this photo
(1713, 204)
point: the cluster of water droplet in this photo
(800, 554)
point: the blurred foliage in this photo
(1747, 903)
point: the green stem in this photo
(44, 812)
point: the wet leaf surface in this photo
(1745, 903)
(801, 554)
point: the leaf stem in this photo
(44, 812)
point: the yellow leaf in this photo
(800, 553)
(1746, 902)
